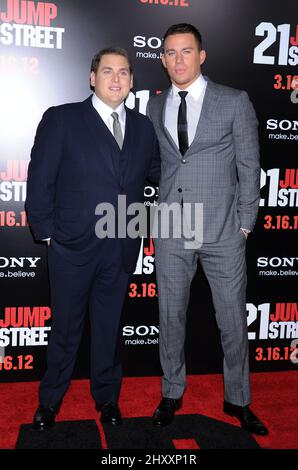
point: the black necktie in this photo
(182, 124)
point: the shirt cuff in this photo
(245, 230)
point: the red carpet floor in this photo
(274, 401)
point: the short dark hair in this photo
(110, 50)
(183, 28)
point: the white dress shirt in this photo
(194, 102)
(105, 113)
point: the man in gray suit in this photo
(209, 150)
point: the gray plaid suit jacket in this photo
(221, 167)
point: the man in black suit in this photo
(84, 154)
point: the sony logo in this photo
(141, 330)
(276, 262)
(142, 41)
(284, 124)
(18, 262)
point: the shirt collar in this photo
(195, 89)
(105, 111)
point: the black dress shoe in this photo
(248, 420)
(110, 413)
(44, 418)
(165, 412)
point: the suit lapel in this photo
(208, 110)
(161, 121)
(126, 152)
(102, 137)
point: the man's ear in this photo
(163, 61)
(202, 56)
(92, 79)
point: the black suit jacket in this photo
(77, 164)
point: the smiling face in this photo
(182, 59)
(113, 80)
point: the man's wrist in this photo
(245, 231)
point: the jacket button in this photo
(180, 190)
(183, 160)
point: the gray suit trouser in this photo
(224, 265)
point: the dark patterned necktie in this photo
(182, 124)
